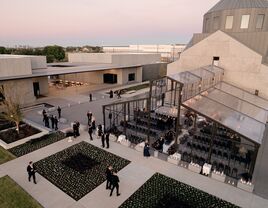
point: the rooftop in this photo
(238, 4)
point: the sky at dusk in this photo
(100, 22)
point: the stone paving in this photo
(132, 177)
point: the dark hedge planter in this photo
(11, 135)
(164, 192)
(74, 179)
(36, 144)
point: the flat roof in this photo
(68, 68)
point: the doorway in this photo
(110, 78)
(216, 60)
(36, 89)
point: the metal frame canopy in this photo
(233, 108)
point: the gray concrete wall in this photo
(136, 71)
(15, 66)
(115, 58)
(43, 84)
(154, 71)
(20, 91)
(242, 66)
(90, 57)
(38, 62)
(135, 59)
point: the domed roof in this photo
(238, 4)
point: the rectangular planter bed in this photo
(245, 187)
(196, 169)
(218, 177)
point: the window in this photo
(216, 60)
(245, 21)
(229, 22)
(216, 23)
(131, 77)
(260, 20)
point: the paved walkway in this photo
(131, 177)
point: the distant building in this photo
(168, 53)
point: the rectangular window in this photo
(216, 23)
(229, 22)
(260, 20)
(131, 77)
(245, 21)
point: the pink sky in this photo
(100, 22)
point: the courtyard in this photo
(71, 174)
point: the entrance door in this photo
(36, 89)
(110, 78)
(216, 61)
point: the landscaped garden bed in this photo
(79, 169)
(36, 144)
(164, 192)
(12, 195)
(12, 135)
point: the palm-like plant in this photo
(13, 112)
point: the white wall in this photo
(242, 66)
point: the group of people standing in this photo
(112, 180)
(53, 119)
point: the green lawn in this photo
(5, 156)
(13, 196)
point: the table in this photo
(206, 169)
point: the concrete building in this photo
(26, 78)
(235, 38)
(168, 53)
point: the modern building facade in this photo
(235, 38)
(26, 78)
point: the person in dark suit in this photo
(103, 139)
(107, 139)
(111, 94)
(59, 111)
(52, 121)
(77, 128)
(115, 183)
(90, 97)
(90, 130)
(108, 174)
(46, 120)
(31, 172)
(146, 148)
(56, 123)
(74, 129)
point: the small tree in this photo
(13, 112)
